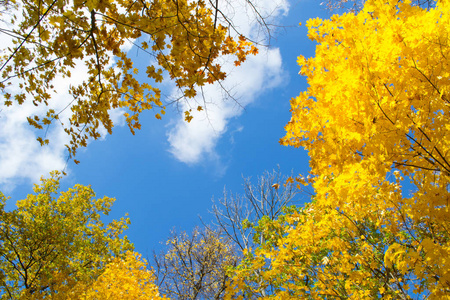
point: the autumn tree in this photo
(317, 252)
(373, 118)
(195, 266)
(124, 278)
(51, 38)
(52, 241)
(236, 215)
(357, 5)
(240, 217)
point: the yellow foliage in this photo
(53, 36)
(375, 114)
(123, 278)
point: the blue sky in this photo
(166, 175)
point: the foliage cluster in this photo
(50, 38)
(374, 116)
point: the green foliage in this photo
(56, 239)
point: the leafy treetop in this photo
(52, 37)
(375, 114)
(54, 240)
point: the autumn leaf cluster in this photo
(375, 123)
(183, 40)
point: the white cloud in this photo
(190, 142)
(195, 141)
(21, 156)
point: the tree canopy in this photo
(51, 38)
(123, 278)
(195, 266)
(373, 118)
(52, 241)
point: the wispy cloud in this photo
(191, 142)
(21, 156)
(196, 141)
